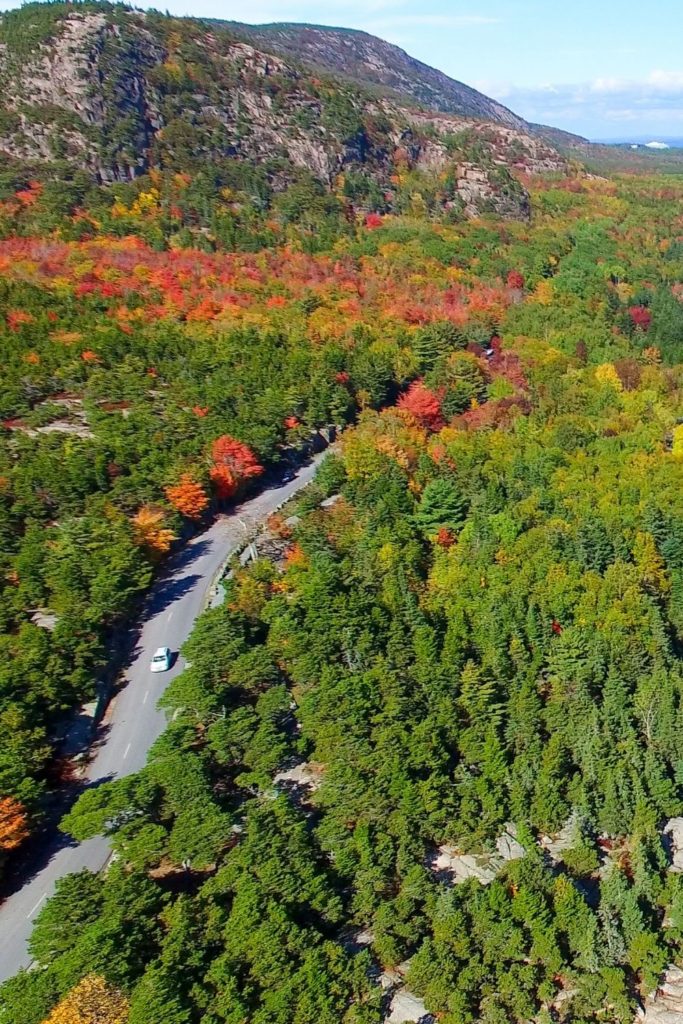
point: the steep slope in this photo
(117, 92)
(369, 61)
(558, 137)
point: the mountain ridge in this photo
(378, 63)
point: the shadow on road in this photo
(170, 590)
(45, 844)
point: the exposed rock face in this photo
(556, 845)
(402, 1005)
(665, 1006)
(406, 1007)
(306, 774)
(300, 781)
(113, 92)
(483, 866)
(373, 62)
(674, 830)
(479, 192)
(515, 148)
(70, 113)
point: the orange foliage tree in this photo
(233, 464)
(188, 497)
(149, 531)
(92, 1001)
(13, 823)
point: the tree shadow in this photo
(35, 855)
(169, 591)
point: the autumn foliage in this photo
(424, 405)
(515, 280)
(188, 497)
(149, 531)
(641, 317)
(13, 824)
(233, 464)
(92, 1001)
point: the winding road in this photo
(133, 722)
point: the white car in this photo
(161, 661)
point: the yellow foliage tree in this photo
(606, 374)
(650, 563)
(677, 447)
(92, 1001)
(149, 530)
(543, 293)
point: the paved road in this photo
(133, 721)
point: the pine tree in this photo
(441, 505)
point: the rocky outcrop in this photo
(514, 148)
(117, 92)
(556, 846)
(67, 100)
(480, 192)
(406, 1008)
(665, 1006)
(306, 776)
(401, 1005)
(458, 867)
(673, 836)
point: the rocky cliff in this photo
(116, 92)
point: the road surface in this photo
(133, 721)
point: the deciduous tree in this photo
(188, 497)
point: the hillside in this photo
(559, 138)
(116, 92)
(423, 758)
(372, 62)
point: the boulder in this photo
(406, 1008)
(508, 846)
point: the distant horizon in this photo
(601, 71)
(675, 141)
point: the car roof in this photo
(161, 650)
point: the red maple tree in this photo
(424, 405)
(233, 464)
(641, 317)
(515, 279)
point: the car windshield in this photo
(159, 657)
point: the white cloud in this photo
(667, 81)
(656, 81)
(652, 103)
(438, 20)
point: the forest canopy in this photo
(478, 636)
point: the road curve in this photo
(133, 721)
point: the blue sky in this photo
(603, 68)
